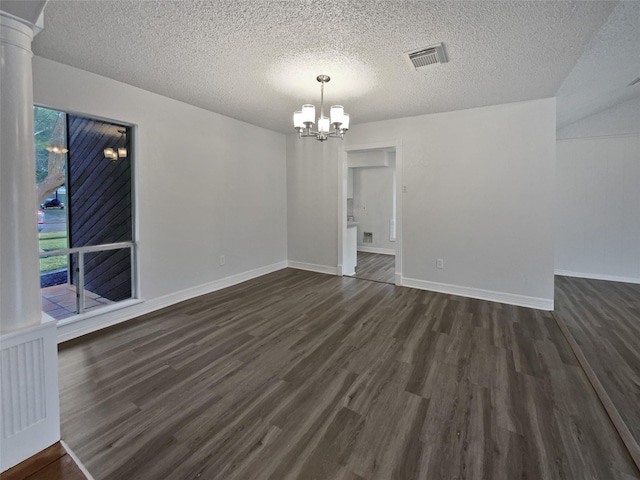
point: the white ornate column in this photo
(30, 414)
(19, 271)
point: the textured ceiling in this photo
(602, 75)
(257, 60)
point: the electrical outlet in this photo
(439, 263)
(222, 260)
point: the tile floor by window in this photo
(59, 301)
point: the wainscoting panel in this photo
(30, 415)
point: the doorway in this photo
(370, 240)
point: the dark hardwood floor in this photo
(604, 319)
(298, 375)
(376, 267)
(53, 463)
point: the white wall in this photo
(479, 194)
(312, 202)
(598, 199)
(598, 208)
(621, 119)
(368, 158)
(207, 185)
(373, 205)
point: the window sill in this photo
(99, 311)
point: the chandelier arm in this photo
(310, 133)
(320, 135)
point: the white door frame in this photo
(342, 200)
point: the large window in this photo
(85, 184)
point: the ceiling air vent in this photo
(427, 56)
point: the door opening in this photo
(370, 240)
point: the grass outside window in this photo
(53, 241)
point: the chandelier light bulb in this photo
(309, 114)
(55, 149)
(337, 112)
(323, 125)
(345, 122)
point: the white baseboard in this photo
(342, 273)
(30, 414)
(597, 276)
(500, 297)
(75, 458)
(382, 251)
(312, 267)
(82, 326)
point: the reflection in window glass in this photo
(84, 184)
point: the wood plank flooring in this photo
(604, 319)
(376, 267)
(53, 463)
(298, 375)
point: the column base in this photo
(30, 417)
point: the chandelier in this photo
(57, 150)
(119, 152)
(333, 126)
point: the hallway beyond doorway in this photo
(376, 267)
